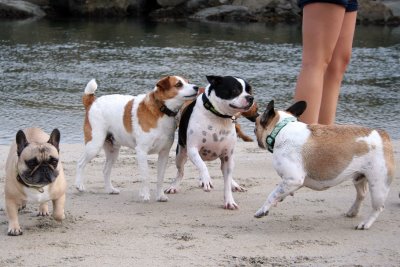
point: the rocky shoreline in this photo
(381, 12)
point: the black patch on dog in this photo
(184, 123)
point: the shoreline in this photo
(192, 228)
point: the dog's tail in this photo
(88, 98)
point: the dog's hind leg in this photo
(181, 158)
(92, 148)
(379, 189)
(111, 151)
(361, 185)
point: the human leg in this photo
(322, 23)
(336, 69)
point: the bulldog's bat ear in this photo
(21, 141)
(54, 139)
(268, 114)
(297, 108)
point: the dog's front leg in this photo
(205, 178)
(161, 166)
(144, 192)
(285, 188)
(227, 165)
(12, 213)
(58, 208)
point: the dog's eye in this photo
(53, 162)
(179, 84)
(32, 163)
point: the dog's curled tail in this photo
(88, 97)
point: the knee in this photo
(338, 64)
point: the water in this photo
(45, 65)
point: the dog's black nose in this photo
(250, 99)
(196, 88)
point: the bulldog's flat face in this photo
(230, 95)
(38, 162)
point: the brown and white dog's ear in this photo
(21, 141)
(164, 83)
(297, 108)
(55, 138)
(268, 114)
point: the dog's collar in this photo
(207, 105)
(38, 188)
(164, 109)
(271, 137)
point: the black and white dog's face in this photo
(229, 95)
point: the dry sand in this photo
(192, 228)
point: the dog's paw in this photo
(144, 195)
(171, 190)
(112, 191)
(80, 187)
(206, 185)
(231, 206)
(261, 213)
(162, 198)
(237, 188)
(14, 231)
(43, 213)
(364, 225)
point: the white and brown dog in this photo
(145, 122)
(320, 156)
(207, 132)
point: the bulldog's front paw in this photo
(261, 213)
(14, 230)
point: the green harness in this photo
(271, 137)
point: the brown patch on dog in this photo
(263, 131)
(388, 154)
(330, 149)
(241, 134)
(253, 111)
(127, 117)
(87, 101)
(149, 109)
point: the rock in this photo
(19, 9)
(224, 13)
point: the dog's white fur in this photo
(310, 155)
(149, 132)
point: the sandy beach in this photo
(193, 229)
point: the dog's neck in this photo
(270, 141)
(21, 181)
(207, 105)
(162, 107)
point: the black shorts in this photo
(349, 5)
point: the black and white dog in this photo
(207, 132)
